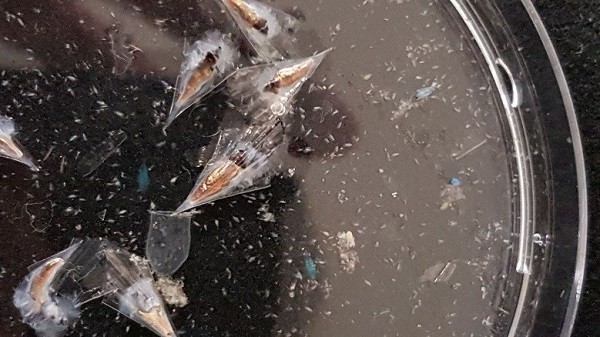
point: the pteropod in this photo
(268, 30)
(208, 62)
(135, 294)
(10, 147)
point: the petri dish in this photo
(464, 214)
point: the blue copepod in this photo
(310, 267)
(143, 178)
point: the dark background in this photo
(574, 27)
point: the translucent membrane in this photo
(168, 242)
(83, 275)
(92, 160)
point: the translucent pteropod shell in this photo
(36, 299)
(208, 62)
(10, 147)
(93, 159)
(268, 30)
(168, 241)
(240, 164)
(280, 80)
(83, 276)
(136, 295)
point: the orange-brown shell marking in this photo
(41, 280)
(157, 322)
(289, 76)
(216, 181)
(199, 75)
(249, 15)
(10, 147)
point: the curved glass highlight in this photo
(549, 176)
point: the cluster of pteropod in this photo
(52, 294)
(260, 94)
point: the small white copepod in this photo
(135, 294)
(207, 64)
(279, 80)
(47, 313)
(10, 147)
(267, 29)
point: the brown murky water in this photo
(427, 255)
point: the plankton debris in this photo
(438, 273)
(346, 240)
(348, 256)
(172, 291)
(122, 49)
(415, 101)
(471, 150)
(450, 195)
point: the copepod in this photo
(267, 29)
(207, 64)
(239, 165)
(423, 93)
(134, 293)
(41, 308)
(10, 147)
(280, 80)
